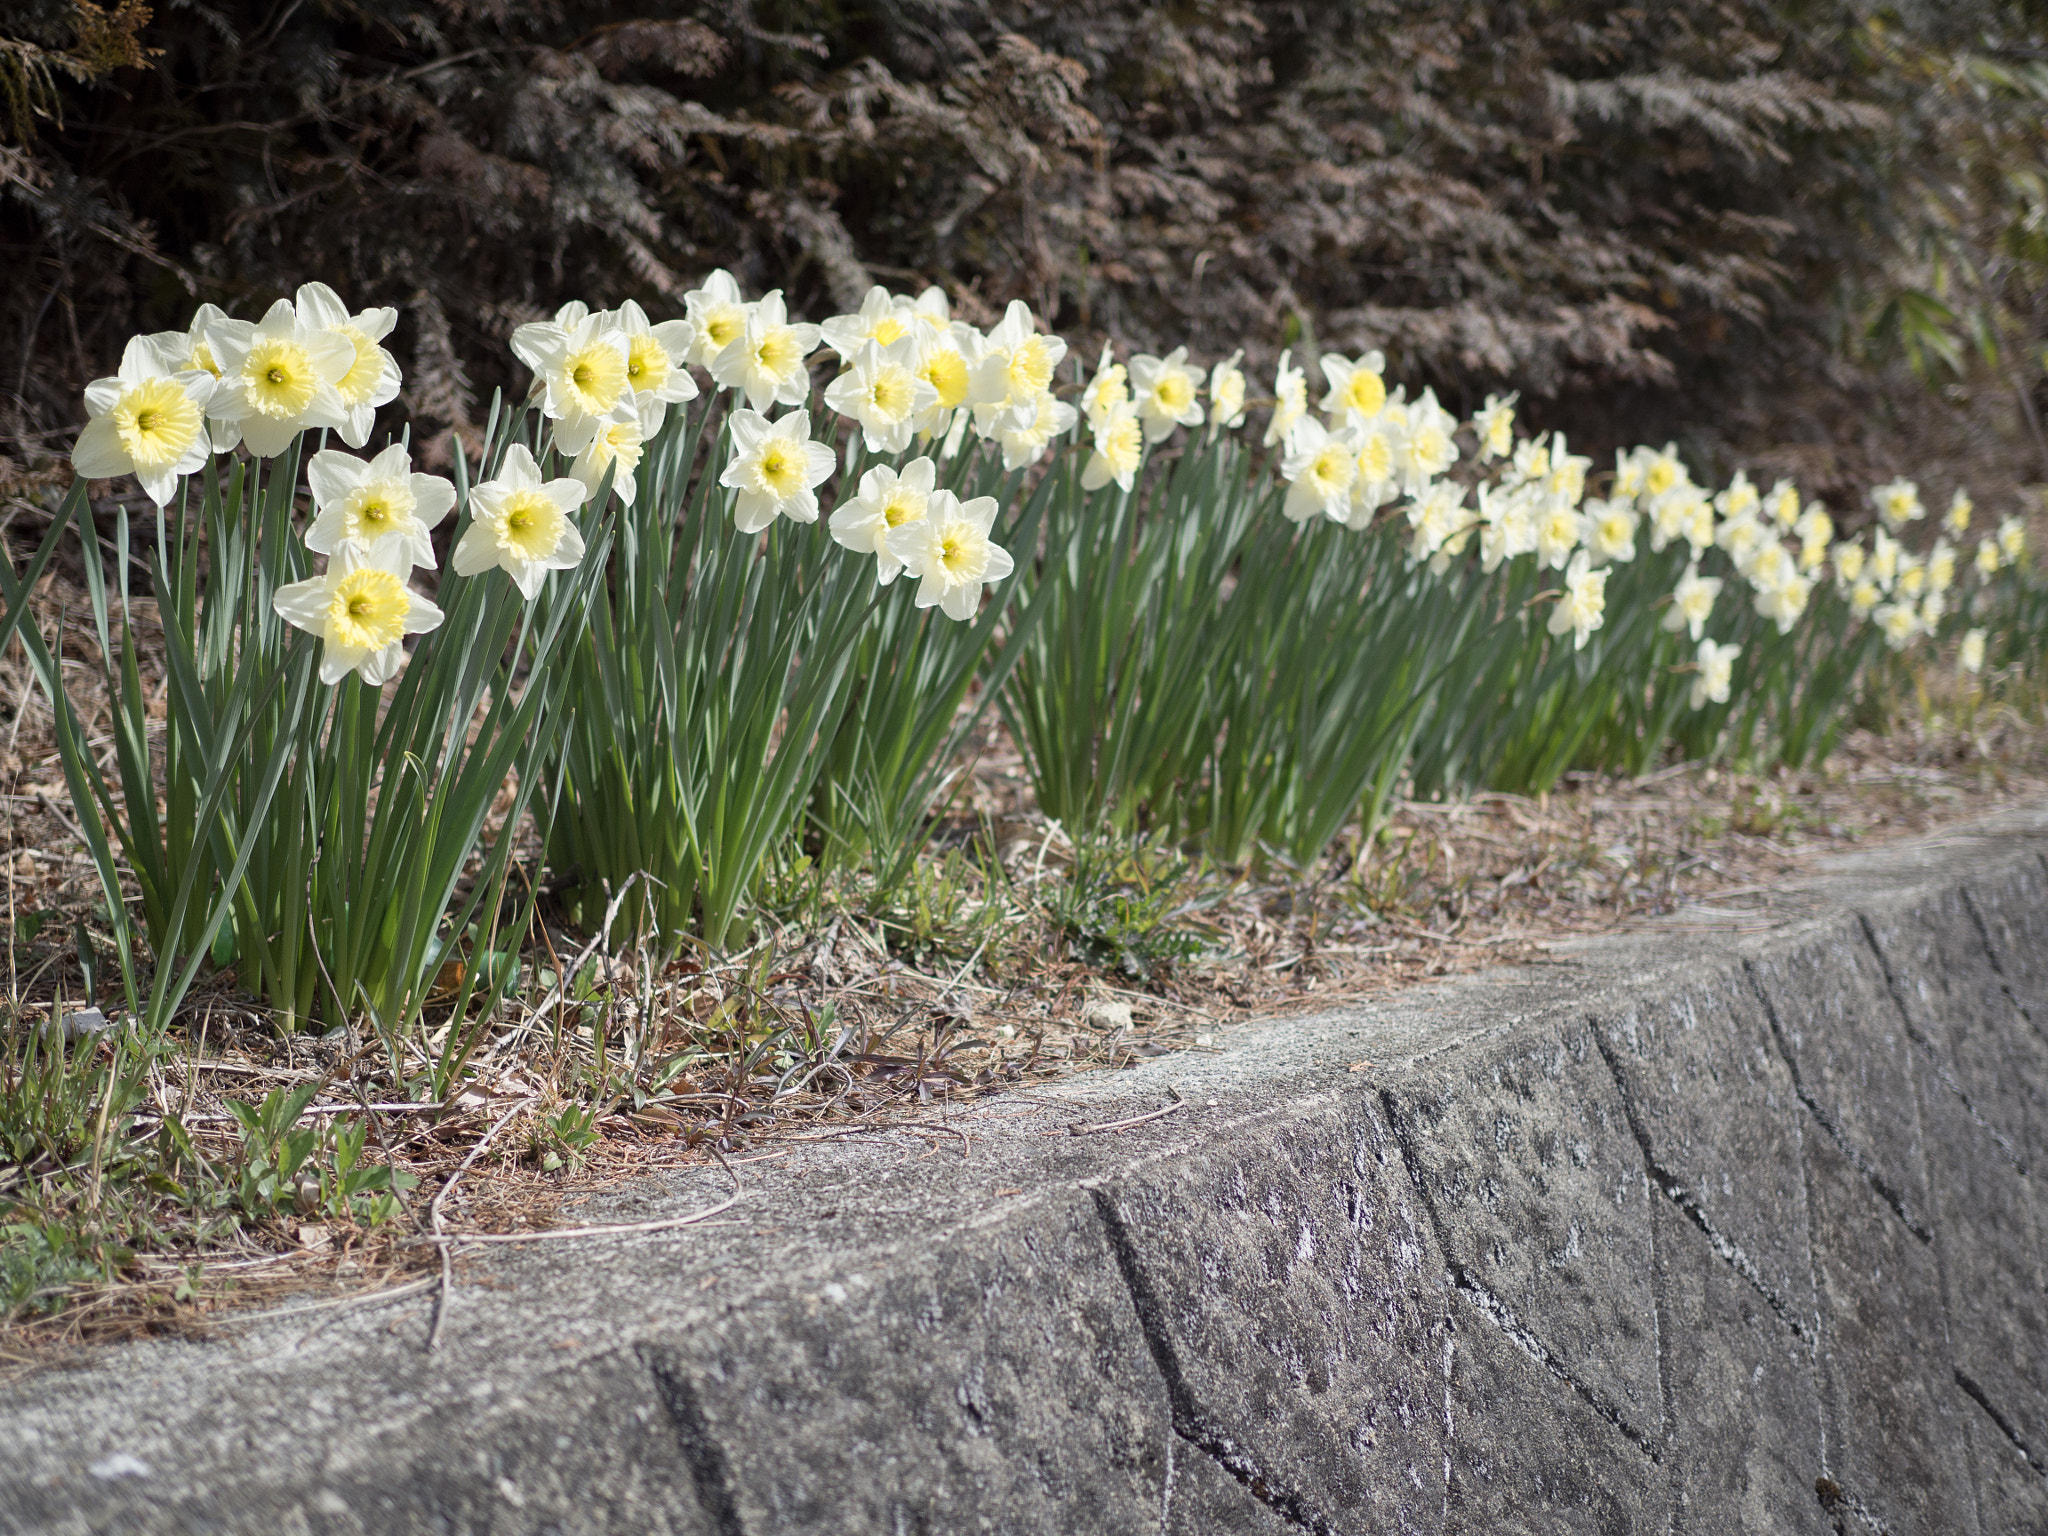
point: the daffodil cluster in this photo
(907, 374)
(312, 364)
(182, 396)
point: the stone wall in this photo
(1720, 1231)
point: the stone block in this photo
(1003, 1384)
(1295, 1294)
(1529, 1456)
(1852, 1059)
(2012, 905)
(586, 1450)
(2012, 1495)
(1711, 1097)
(1745, 1444)
(1895, 1441)
(1948, 984)
(1988, 1238)
(1539, 1194)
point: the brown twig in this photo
(608, 1229)
(434, 1218)
(1079, 1128)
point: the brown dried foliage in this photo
(1652, 221)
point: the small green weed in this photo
(944, 908)
(1127, 903)
(311, 1170)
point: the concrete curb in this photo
(1735, 1226)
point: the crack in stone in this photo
(702, 1453)
(1497, 1311)
(1997, 965)
(1674, 1189)
(1189, 1422)
(1982, 1399)
(1888, 1192)
(1941, 1070)
(1502, 1317)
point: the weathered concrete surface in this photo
(1736, 1226)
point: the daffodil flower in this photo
(1437, 518)
(889, 499)
(766, 361)
(1013, 372)
(1713, 671)
(1629, 466)
(1025, 437)
(1119, 450)
(1319, 467)
(185, 350)
(1290, 401)
(1699, 523)
(2012, 540)
(1768, 564)
(1692, 601)
(1956, 519)
(1583, 608)
(279, 377)
(1567, 477)
(718, 317)
(883, 393)
(1426, 445)
(1900, 623)
(776, 469)
(1740, 498)
(1849, 561)
(1971, 657)
(372, 378)
(363, 610)
(1167, 392)
(1106, 393)
(615, 447)
(657, 358)
(1227, 392)
(1898, 503)
(880, 320)
(1531, 460)
(928, 314)
(1782, 599)
(1987, 561)
(579, 363)
(521, 524)
(942, 353)
(1941, 566)
(1357, 389)
(1375, 484)
(1884, 559)
(1741, 537)
(1669, 514)
(1608, 529)
(1557, 534)
(1663, 470)
(1494, 425)
(949, 552)
(1507, 527)
(380, 506)
(146, 421)
(1782, 503)
(1814, 529)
